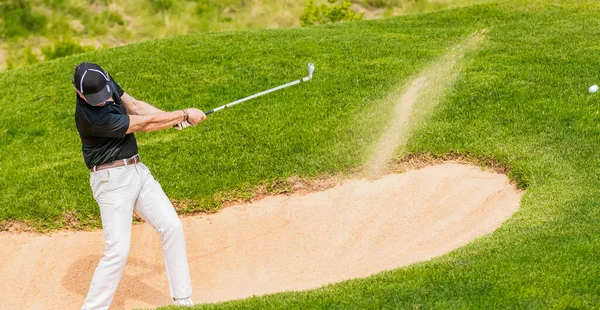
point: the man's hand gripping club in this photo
(190, 119)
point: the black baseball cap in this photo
(92, 82)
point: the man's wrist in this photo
(185, 115)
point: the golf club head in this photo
(311, 69)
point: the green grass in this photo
(522, 101)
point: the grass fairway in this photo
(522, 101)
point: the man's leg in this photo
(115, 192)
(156, 209)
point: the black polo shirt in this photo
(103, 129)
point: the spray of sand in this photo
(415, 99)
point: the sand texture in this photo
(279, 243)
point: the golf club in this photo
(311, 69)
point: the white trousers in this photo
(118, 191)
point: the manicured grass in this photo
(522, 101)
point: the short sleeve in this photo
(117, 87)
(110, 125)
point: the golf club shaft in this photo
(258, 95)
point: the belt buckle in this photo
(135, 159)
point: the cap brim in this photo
(99, 97)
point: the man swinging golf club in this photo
(106, 118)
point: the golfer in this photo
(106, 119)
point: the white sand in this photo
(280, 243)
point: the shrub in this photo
(64, 48)
(114, 18)
(324, 14)
(18, 19)
(403, 4)
(387, 3)
(24, 57)
(161, 5)
(57, 4)
(30, 57)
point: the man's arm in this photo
(138, 107)
(156, 121)
(145, 117)
(162, 120)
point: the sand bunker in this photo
(280, 243)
